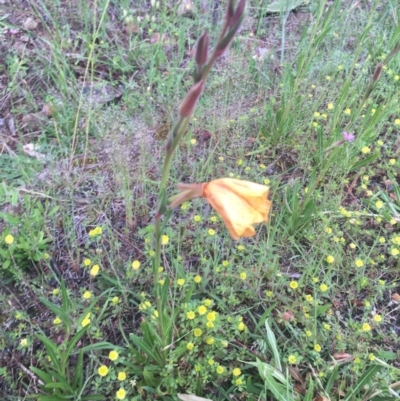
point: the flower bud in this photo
(202, 49)
(378, 72)
(239, 13)
(189, 102)
(230, 10)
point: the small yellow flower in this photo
(207, 302)
(121, 376)
(211, 361)
(330, 259)
(241, 326)
(220, 369)
(9, 239)
(397, 121)
(193, 141)
(359, 263)
(366, 327)
(392, 161)
(328, 230)
(135, 265)
(213, 219)
(365, 150)
(308, 333)
(211, 232)
(317, 348)
(239, 162)
(293, 285)
(24, 342)
(184, 205)
(190, 315)
(309, 298)
(121, 393)
(210, 340)
(102, 370)
(94, 271)
(87, 294)
(197, 279)
(86, 320)
(379, 204)
(95, 232)
(201, 310)
(315, 280)
(292, 359)
(377, 318)
(197, 218)
(396, 77)
(211, 316)
(371, 357)
(269, 294)
(115, 300)
(189, 346)
(347, 111)
(180, 281)
(56, 291)
(57, 320)
(316, 114)
(236, 372)
(197, 332)
(87, 262)
(327, 326)
(240, 248)
(164, 239)
(394, 252)
(239, 381)
(243, 276)
(113, 355)
(323, 287)
(328, 78)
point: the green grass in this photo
(306, 308)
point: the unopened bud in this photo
(238, 13)
(189, 102)
(230, 10)
(202, 49)
(378, 72)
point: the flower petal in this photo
(240, 203)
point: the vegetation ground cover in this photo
(305, 100)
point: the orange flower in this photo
(241, 204)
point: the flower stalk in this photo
(232, 23)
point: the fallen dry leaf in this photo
(30, 24)
(30, 149)
(396, 297)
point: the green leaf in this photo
(73, 342)
(52, 350)
(98, 346)
(271, 339)
(144, 347)
(77, 381)
(364, 162)
(310, 391)
(45, 377)
(363, 381)
(93, 397)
